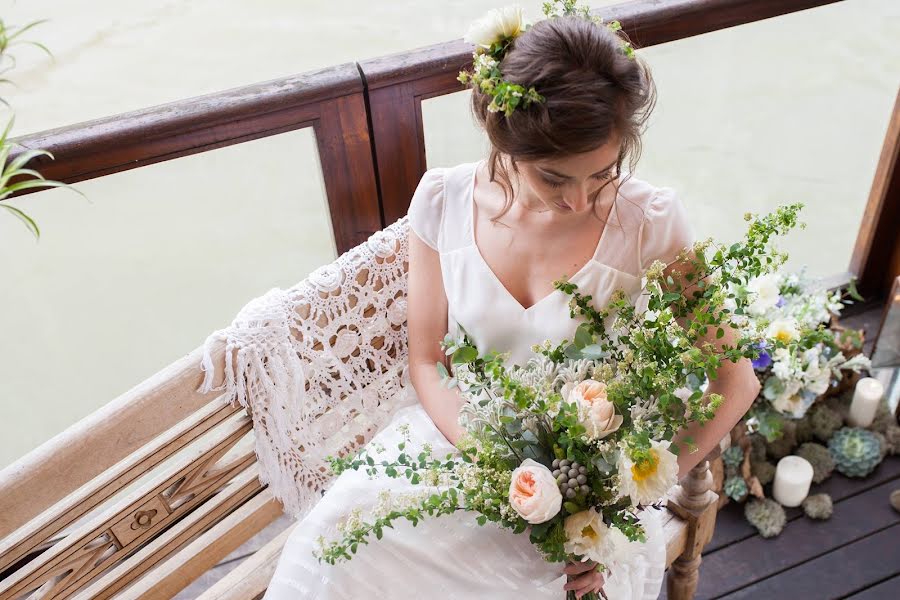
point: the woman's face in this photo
(569, 185)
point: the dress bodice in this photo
(645, 223)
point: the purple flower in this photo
(781, 301)
(763, 361)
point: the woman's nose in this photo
(579, 199)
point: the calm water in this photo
(793, 108)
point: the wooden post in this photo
(695, 502)
(876, 255)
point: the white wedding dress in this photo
(452, 557)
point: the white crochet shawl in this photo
(321, 366)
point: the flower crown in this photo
(493, 34)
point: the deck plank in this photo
(803, 539)
(889, 589)
(834, 575)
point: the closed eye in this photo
(558, 184)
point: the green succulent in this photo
(736, 488)
(856, 451)
(766, 515)
(820, 458)
(733, 456)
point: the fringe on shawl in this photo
(266, 375)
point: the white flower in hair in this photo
(496, 25)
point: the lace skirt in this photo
(451, 556)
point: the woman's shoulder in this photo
(641, 201)
(658, 216)
(439, 195)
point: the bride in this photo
(487, 239)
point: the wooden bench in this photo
(140, 498)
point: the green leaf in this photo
(571, 507)
(466, 354)
(854, 293)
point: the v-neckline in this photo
(493, 275)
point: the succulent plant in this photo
(820, 458)
(766, 515)
(825, 421)
(731, 471)
(733, 456)
(736, 488)
(818, 506)
(763, 470)
(856, 451)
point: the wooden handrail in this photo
(354, 143)
(331, 101)
(398, 83)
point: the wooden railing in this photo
(60, 524)
(367, 118)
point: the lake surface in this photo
(789, 109)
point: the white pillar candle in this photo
(793, 476)
(866, 397)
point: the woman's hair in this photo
(592, 92)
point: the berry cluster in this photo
(571, 477)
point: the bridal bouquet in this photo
(569, 447)
(801, 356)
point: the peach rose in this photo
(595, 412)
(534, 493)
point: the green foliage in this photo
(15, 169)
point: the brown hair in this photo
(592, 91)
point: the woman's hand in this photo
(590, 579)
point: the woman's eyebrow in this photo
(562, 176)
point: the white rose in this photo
(534, 493)
(495, 25)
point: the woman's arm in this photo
(426, 326)
(736, 382)
(738, 385)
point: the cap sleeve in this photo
(665, 230)
(426, 209)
